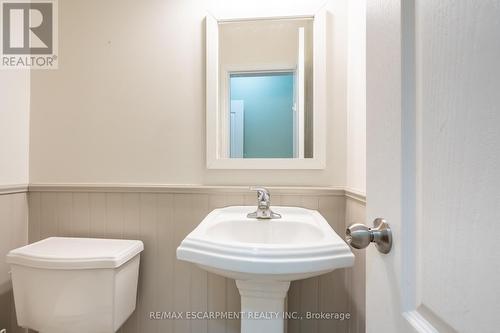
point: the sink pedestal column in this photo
(262, 305)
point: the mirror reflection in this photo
(266, 88)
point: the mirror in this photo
(266, 87)
(262, 108)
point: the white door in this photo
(237, 130)
(433, 165)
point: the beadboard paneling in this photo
(13, 233)
(161, 220)
(356, 213)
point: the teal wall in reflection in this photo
(268, 120)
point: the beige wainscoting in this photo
(13, 233)
(162, 217)
(355, 213)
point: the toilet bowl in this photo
(75, 285)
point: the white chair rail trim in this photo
(13, 188)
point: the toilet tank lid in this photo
(76, 253)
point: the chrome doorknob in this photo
(360, 236)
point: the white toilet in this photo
(75, 285)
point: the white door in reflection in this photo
(237, 128)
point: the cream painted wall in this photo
(127, 104)
(14, 126)
(356, 97)
(241, 44)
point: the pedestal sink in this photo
(264, 256)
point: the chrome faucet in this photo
(263, 205)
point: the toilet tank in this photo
(75, 285)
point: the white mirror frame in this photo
(213, 113)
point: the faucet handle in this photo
(262, 193)
(259, 189)
(263, 197)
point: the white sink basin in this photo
(265, 255)
(299, 245)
